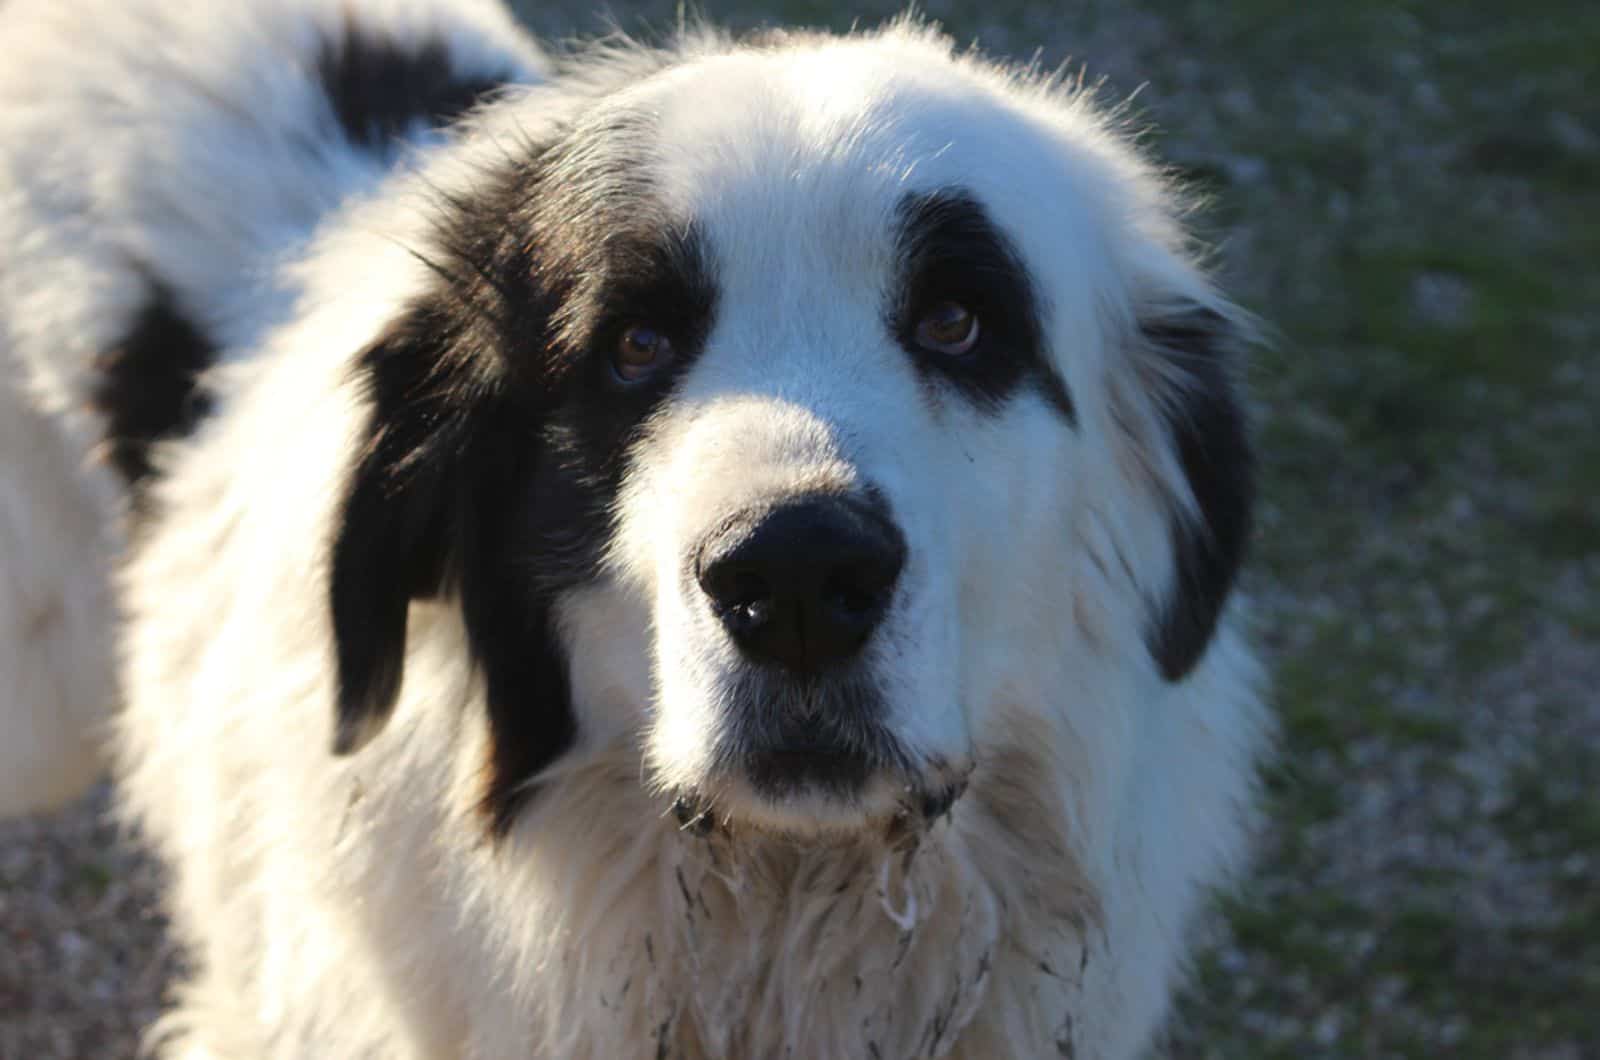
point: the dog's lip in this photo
(778, 769)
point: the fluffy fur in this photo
(422, 701)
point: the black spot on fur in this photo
(496, 440)
(145, 385)
(952, 252)
(380, 88)
(1211, 435)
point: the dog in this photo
(720, 548)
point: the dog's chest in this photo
(811, 955)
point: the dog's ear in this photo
(1197, 348)
(448, 495)
(397, 525)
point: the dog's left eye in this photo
(950, 328)
(641, 352)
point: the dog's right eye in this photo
(950, 328)
(641, 352)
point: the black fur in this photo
(1212, 437)
(953, 252)
(496, 442)
(145, 385)
(380, 88)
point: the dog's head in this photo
(800, 411)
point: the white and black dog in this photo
(718, 550)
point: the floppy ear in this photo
(1209, 433)
(449, 495)
(394, 528)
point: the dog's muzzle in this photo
(802, 585)
(799, 587)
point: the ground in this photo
(1408, 194)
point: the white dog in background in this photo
(720, 550)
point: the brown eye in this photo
(949, 328)
(641, 350)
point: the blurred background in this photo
(1409, 194)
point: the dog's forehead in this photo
(798, 161)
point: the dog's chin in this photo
(808, 795)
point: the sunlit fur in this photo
(359, 906)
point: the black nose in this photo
(804, 584)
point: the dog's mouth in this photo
(784, 772)
(811, 757)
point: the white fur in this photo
(351, 907)
(55, 654)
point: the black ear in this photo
(396, 526)
(449, 495)
(1209, 431)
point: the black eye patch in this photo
(951, 252)
(664, 282)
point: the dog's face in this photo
(781, 412)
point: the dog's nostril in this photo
(746, 603)
(805, 584)
(745, 592)
(853, 594)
